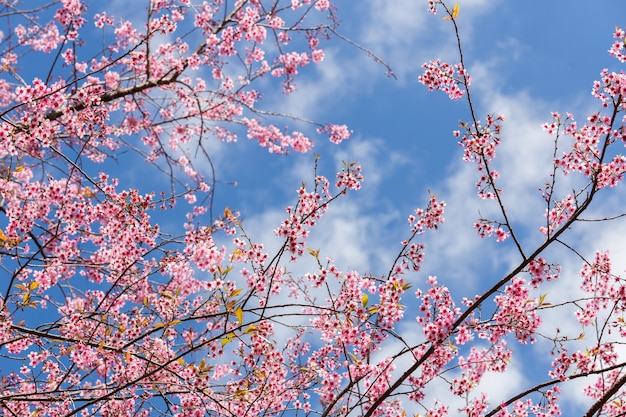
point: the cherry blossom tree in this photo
(103, 312)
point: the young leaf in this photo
(239, 314)
(227, 339)
(542, 298)
(250, 329)
(225, 271)
(454, 13)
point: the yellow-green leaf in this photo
(227, 339)
(251, 328)
(241, 393)
(225, 271)
(239, 314)
(159, 325)
(454, 13)
(236, 292)
(33, 285)
(542, 299)
(364, 300)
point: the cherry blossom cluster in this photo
(437, 311)
(546, 407)
(432, 6)
(301, 217)
(350, 298)
(358, 316)
(311, 206)
(478, 362)
(479, 146)
(583, 362)
(430, 218)
(202, 250)
(445, 77)
(43, 39)
(412, 253)
(415, 254)
(277, 142)
(336, 133)
(591, 361)
(588, 154)
(486, 228)
(516, 313)
(600, 387)
(389, 308)
(540, 270)
(606, 288)
(585, 154)
(619, 46)
(441, 355)
(560, 212)
(350, 177)
(611, 88)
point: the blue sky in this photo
(527, 59)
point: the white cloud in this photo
(405, 35)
